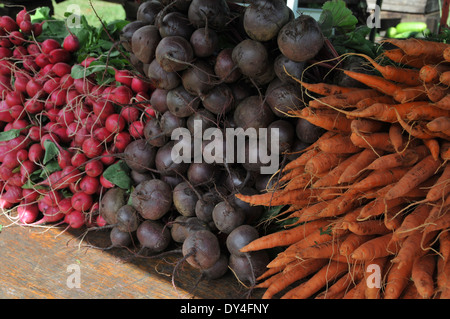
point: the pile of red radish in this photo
(63, 130)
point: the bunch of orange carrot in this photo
(369, 199)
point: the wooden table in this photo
(55, 264)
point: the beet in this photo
(174, 53)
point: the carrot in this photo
(374, 248)
(443, 279)
(396, 136)
(426, 112)
(338, 289)
(337, 227)
(393, 218)
(322, 250)
(436, 92)
(300, 181)
(441, 189)
(364, 159)
(375, 82)
(285, 237)
(410, 292)
(343, 100)
(286, 278)
(367, 227)
(378, 141)
(386, 112)
(301, 160)
(433, 146)
(339, 143)
(439, 124)
(368, 101)
(439, 223)
(276, 198)
(444, 78)
(407, 158)
(397, 280)
(417, 129)
(418, 174)
(444, 245)
(268, 275)
(411, 248)
(289, 175)
(380, 178)
(357, 291)
(412, 221)
(319, 280)
(373, 285)
(332, 178)
(330, 121)
(307, 212)
(430, 73)
(378, 207)
(422, 275)
(402, 75)
(325, 88)
(419, 47)
(365, 125)
(443, 103)
(444, 151)
(446, 54)
(351, 242)
(398, 56)
(410, 94)
(323, 162)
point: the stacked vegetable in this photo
(367, 203)
(64, 126)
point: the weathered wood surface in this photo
(37, 263)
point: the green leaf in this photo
(51, 167)
(51, 150)
(41, 14)
(118, 174)
(9, 135)
(336, 14)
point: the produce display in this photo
(91, 120)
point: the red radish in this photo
(75, 219)
(27, 167)
(105, 183)
(5, 115)
(20, 84)
(82, 201)
(94, 168)
(139, 85)
(59, 55)
(86, 62)
(58, 98)
(52, 115)
(100, 221)
(5, 53)
(22, 15)
(74, 188)
(89, 184)
(8, 24)
(123, 77)
(61, 68)
(20, 53)
(80, 136)
(74, 98)
(35, 133)
(13, 194)
(17, 112)
(51, 85)
(115, 123)
(49, 45)
(103, 109)
(136, 129)
(121, 141)
(130, 114)
(78, 159)
(30, 195)
(51, 137)
(17, 180)
(37, 28)
(33, 49)
(65, 205)
(14, 98)
(36, 152)
(92, 147)
(66, 81)
(5, 173)
(71, 43)
(26, 27)
(149, 112)
(64, 158)
(4, 204)
(52, 198)
(16, 38)
(5, 67)
(103, 134)
(21, 125)
(5, 43)
(27, 213)
(34, 89)
(51, 215)
(32, 106)
(83, 86)
(29, 64)
(65, 117)
(108, 158)
(121, 95)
